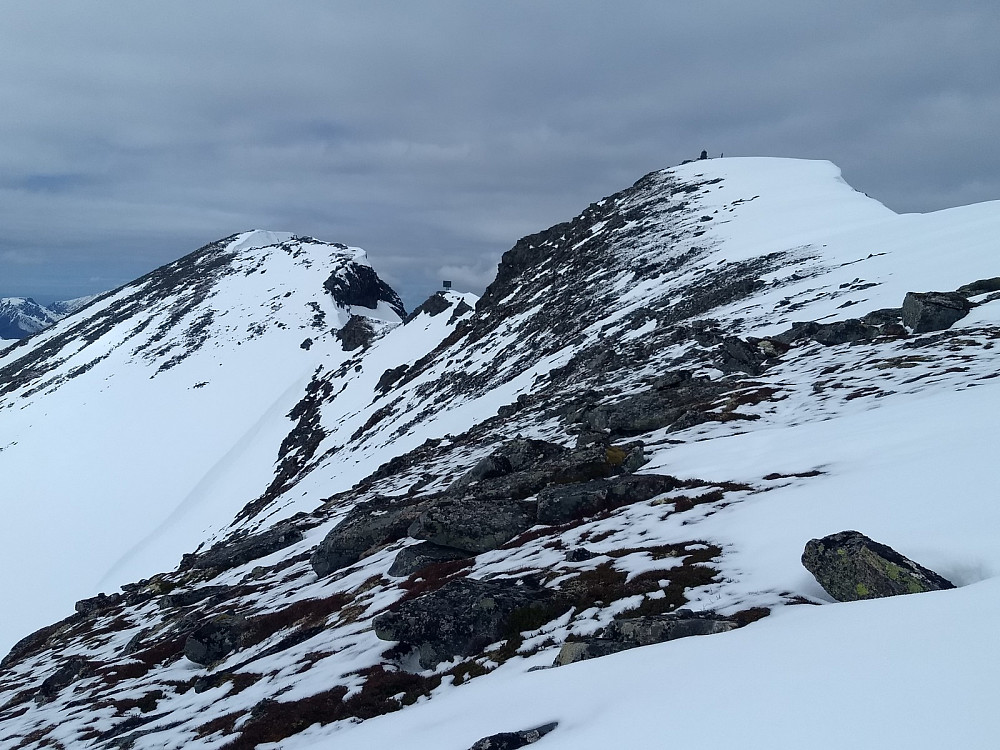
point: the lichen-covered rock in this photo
(592, 648)
(645, 631)
(460, 618)
(514, 740)
(934, 311)
(214, 639)
(850, 566)
(415, 557)
(622, 635)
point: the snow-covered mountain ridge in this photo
(657, 324)
(121, 422)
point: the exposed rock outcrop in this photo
(624, 634)
(472, 524)
(460, 618)
(367, 525)
(934, 311)
(214, 639)
(418, 556)
(850, 566)
(568, 502)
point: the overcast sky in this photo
(435, 134)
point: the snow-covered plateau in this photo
(249, 502)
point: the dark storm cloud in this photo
(434, 134)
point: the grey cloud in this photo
(435, 134)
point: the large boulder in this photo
(367, 526)
(472, 525)
(461, 618)
(214, 639)
(850, 566)
(933, 311)
(567, 502)
(514, 740)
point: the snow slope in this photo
(892, 437)
(128, 432)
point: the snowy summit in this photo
(252, 503)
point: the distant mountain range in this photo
(22, 316)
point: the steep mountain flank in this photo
(625, 442)
(132, 427)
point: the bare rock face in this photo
(934, 311)
(850, 566)
(514, 740)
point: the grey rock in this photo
(231, 553)
(844, 332)
(471, 524)
(580, 554)
(193, 596)
(592, 648)
(563, 503)
(850, 566)
(644, 631)
(514, 740)
(798, 332)
(367, 526)
(70, 671)
(737, 355)
(934, 311)
(96, 604)
(434, 305)
(625, 634)
(357, 333)
(516, 455)
(883, 316)
(214, 639)
(460, 618)
(411, 559)
(982, 286)
(675, 403)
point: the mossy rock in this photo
(850, 566)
